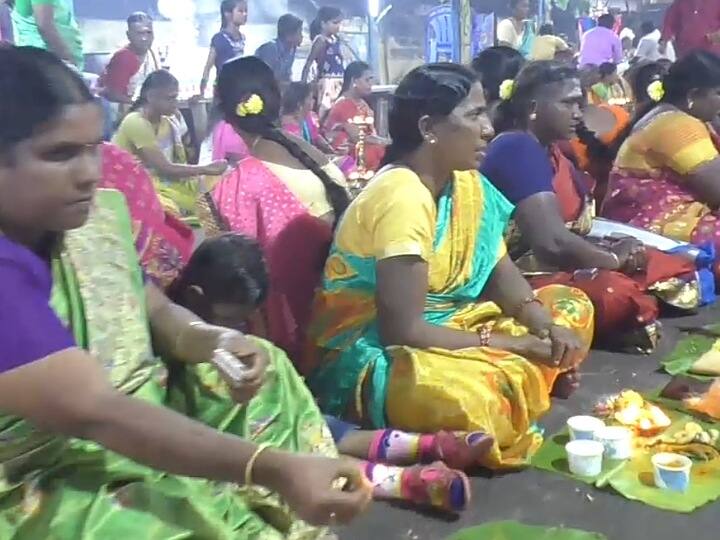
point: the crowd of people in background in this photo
(323, 346)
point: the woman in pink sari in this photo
(163, 242)
(286, 195)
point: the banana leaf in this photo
(686, 353)
(633, 479)
(512, 530)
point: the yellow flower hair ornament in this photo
(507, 89)
(252, 106)
(656, 91)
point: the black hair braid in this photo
(336, 194)
(596, 148)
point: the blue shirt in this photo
(279, 57)
(519, 166)
(226, 48)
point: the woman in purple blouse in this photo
(85, 443)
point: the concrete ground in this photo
(540, 498)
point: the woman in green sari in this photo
(87, 451)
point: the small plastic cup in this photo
(585, 457)
(583, 428)
(617, 441)
(672, 471)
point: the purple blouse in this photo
(29, 328)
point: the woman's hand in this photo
(216, 168)
(567, 349)
(312, 486)
(254, 360)
(631, 255)
(528, 346)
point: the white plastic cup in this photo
(672, 471)
(617, 441)
(583, 428)
(585, 457)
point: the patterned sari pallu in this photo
(68, 489)
(648, 186)
(461, 239)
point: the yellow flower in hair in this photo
(507, 89)
(656, 91)
(252, 106)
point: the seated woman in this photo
(604, 126)
(423, 322)
(390, 458)
(611, 89)
(153, 132)
(163, 242)
(286, 195)
(554, 207)
(338, 126)
(298, 117)
(495, 65)
(95, 449)
(666, 173)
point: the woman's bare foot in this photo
(566, 384)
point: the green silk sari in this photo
(70, 489)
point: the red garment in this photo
(122, 67)
(689, 22)
(163, 242)
(621, 302)
(258, 204)
(344, 110)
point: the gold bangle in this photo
(251, 462)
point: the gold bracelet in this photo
(251, 462)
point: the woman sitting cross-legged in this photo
(87, 447)
(226, 282)
(286, 195)
(666, 173)
(555, 209)
(153, 132)
(423, 322)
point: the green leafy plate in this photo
(687, 352)
(512, 530)
(634, 478)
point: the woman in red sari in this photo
(338, 127)
(554, 209)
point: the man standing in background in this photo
(601, 44)
(51, 25)
(131, 65)
(692, 24)
(279, 53)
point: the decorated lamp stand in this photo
(359, 178)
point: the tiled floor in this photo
(536, 497)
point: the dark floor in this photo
(540, 498)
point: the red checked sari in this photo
(163, 242)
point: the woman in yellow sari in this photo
(153, 131)
(665, 178)
(423, 322)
